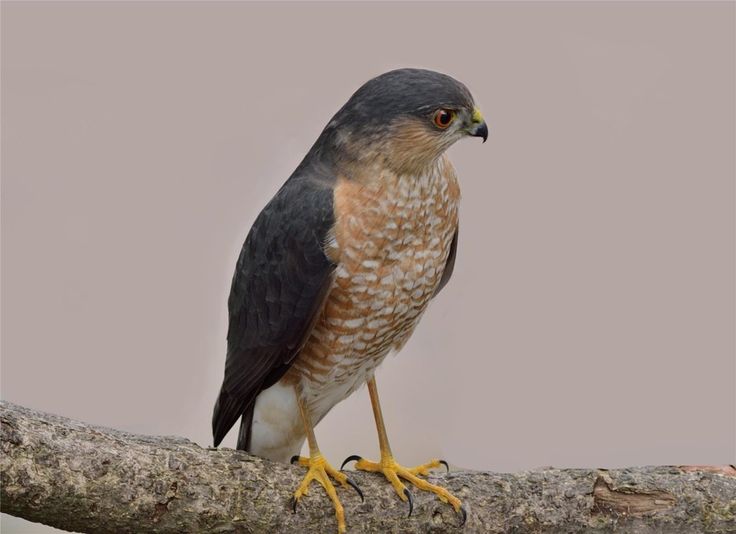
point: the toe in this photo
(299, 460)
(423, 470)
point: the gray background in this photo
(590, 320)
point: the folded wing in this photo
(281, 281)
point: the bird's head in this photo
(404, 119)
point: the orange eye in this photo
(443, 118)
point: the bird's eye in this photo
(443, 118)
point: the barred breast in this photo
(391, 241)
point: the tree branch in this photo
(79, 477)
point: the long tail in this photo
(226, 413)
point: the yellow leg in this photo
(394, 472)
(321, 471)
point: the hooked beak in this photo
(479, 128)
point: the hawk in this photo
(339, 267)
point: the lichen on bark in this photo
(85, 478)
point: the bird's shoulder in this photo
(282, 261)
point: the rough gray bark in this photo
(84, 478)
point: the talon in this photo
(355, 487)
(351, 458)
(293, 502)
(464, 514)
(294, 459)
(323, 473)
(394, 472)
(411, 500)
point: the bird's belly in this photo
(388, 267)
(361, 324)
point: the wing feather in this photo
(449, 264)
(281, 281)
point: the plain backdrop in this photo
(590, 319)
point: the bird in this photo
(338, 269)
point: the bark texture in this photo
(80, 477)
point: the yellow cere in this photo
(477, 115)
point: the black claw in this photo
(411, 500)
(351, 458)
(355, 487)
(293, 502)
(464, 514)
(294, 459)
(445, 464)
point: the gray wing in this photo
(280, 284)
(449, 264)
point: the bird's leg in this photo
(321, 471)
(395, 472)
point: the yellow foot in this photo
(394, 472)
(321, 471)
